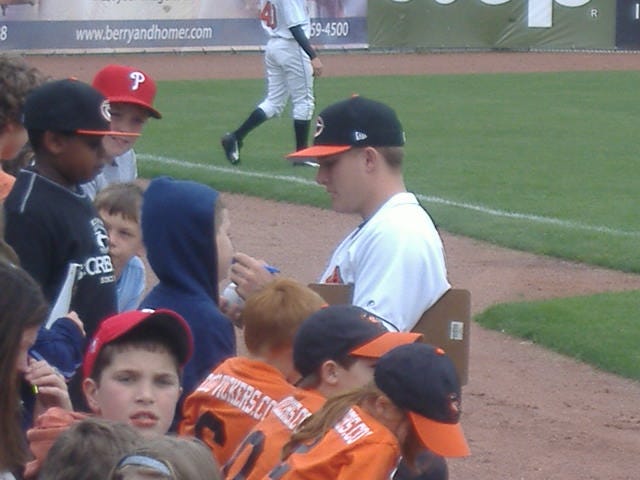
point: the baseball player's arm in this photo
(398, 276)
(249, 274)
(303, 41)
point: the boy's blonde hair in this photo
(121, 199)
(272, 315)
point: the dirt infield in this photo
(528, 413)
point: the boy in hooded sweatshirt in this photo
(185, 229)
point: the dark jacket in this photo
(178, 231)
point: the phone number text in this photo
(329, 29)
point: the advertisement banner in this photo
(491, 24)
(164, 25)
(628, 24)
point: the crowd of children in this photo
(125, 385)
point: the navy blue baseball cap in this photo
(339, 330)
(422, 380)
(69, 106)
(353, 123)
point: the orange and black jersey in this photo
(358, 446)
(230, 402)
(261, 450)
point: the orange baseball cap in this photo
(381, 344)
(122, 84)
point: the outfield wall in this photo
(61, 26)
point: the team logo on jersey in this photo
(105, 110)
(335, 277)
(136, 79)
(101, 235)
(319, 127)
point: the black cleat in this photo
(231, 148)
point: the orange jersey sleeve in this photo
(46, 429)
(230, 402)
(358, 446)
(261, 450)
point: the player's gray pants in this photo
(289, 74)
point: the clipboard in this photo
(334, 293)
(62, 304)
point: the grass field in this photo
(539, 162)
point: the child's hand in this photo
(48, 385)
(231, 310)
(73, 316)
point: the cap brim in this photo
(107, 132)
(444, 439)
(177, 327)
(319, 151)
(152, 111)
(385, 342)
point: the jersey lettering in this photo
(255, 441)
(268, 15)
(208, 421)
(241, 395)
(290, 412)
(351, 428)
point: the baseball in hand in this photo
(232, 296)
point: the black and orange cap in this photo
(422, 380)
(69, 106)
(353, 123)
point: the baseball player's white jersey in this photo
(288, 67)
(278, 16)
(395, 262)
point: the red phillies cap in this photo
(176, 328)
(69, 106)
(122, 84)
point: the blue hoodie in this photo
(178, 232)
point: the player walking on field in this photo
(291, 63)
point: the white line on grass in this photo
(424, 198)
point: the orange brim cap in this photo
(444, 439)
(107, 132)
(385, 342)
(319, 151)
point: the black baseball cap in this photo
(339, 330)
(69, 106)
(353, 123)
(422, 380)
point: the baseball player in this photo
(334, 350)
(242, 390)
(395, 258)
(413, 403)
(291, 63)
